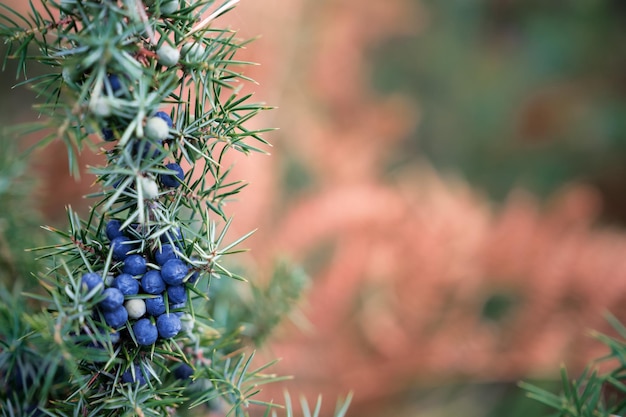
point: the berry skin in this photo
(187, 322)
(127, 376)
(100, 107)
(183, 371)
(172, 181)
(136, 308)
(168, 325)
(152, 282)
(116, 318)
(121, 248)
(166, 253)
(156, 129)
(113, 299)
(169, 7)
(112, 229)
(193, 52)
(166, 117)
(134, 265)
(174, 235)
(174, 271)
(145, 332)
(155, 306)
(167, 56)
(176, 294)
(126, 284)
(91, 280)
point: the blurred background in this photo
(450, 175)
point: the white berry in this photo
(149, 187)
(135, 308)
(168, 56)
(156, 129)
(100, 107)
(187, 322)
(193, 52)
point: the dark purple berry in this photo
(168, 325)
(126, 284)
(107, 134)
(145, 332)
(166, 117)
(113, 229)
(91, 280)
(134, 265)
(183, 371)
(113, 298)
(165, 253)
(174, 271)
(152, 282)
(127, 376)
(121, 247)
(155, 306)
(116, 318)
(176, 294)
(172, 180)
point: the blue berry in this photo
(134, 265)
(115, 82)
(166, 117)
(176, 294)
(152, 282)
(113, 229)
(147, 149)
(126, 284)
(155, 306)
(91, 280)
(127, 376)
(172, 181)
(183, 371)
(121, 247)
(113, 298)
(145, 332)
(179, 306)
(168, 325)
(174, 271)
(164, 254)
(107, 134)
(174, 235)
(116, 318)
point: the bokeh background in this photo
(450, 174)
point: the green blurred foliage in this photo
(516, 93)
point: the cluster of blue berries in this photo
(149, 293)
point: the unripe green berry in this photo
(156, 129)
(149, 188)
(169, 7)
(168, 56)
(100, 107)
(192, 52)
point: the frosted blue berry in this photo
(134, 265)
(126, 284)
(172, 180)
(183, 371)
(166, 117)
(112, 229)
(91, 280)
(113, 298)
(173, 234)
(164, 254)
(176, 309)
(168, 325)
(152, 282)
(155, 306)
(121, 247)
(176, 294)
(174, 271)
(127, 376)
(145, 332)
(116, 318)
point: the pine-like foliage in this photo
(154, 87)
